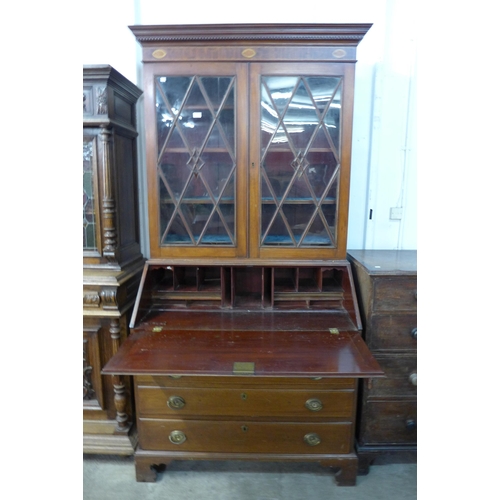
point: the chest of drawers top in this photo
(387, 262)
(388, 279)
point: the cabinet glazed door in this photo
(300, 156)
(197, 159)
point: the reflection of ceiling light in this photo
(281, 95)
(269, 109)
(279, 139)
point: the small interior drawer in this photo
(244, 436)
(172, 402)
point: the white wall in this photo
(383, 156)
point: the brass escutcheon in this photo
(314, 404)
(244, 396)
(312, 439)
(176, 402)
(177, 437)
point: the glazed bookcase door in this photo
(196, 160)
(300, 159)
(91, 225)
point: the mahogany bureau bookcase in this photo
(386, 283)
(245, 339)
(112, 260)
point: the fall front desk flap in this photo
(299, 353)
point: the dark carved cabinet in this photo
(386, 282)
(245, 336)
(112, 260)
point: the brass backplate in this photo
(243, 368)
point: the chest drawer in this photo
(248, 402)
(385, 423)
(244, 436)
(392, 331)
(395, 294)
(400, 378)
(250, 381)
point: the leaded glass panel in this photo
(300, 160)
(196, 159)
(89, 223)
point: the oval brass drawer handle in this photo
(312, 439)
(314, 404)
(177, 437)
(176, 402)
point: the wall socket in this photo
(396, 213)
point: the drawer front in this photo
(388, 423)
(401, 377)
(247, 402)
(244, 436)
(392, 331)
(395, 294)
(250, 381)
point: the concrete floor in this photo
(112, 478)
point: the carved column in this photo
(108, 202)
(118, 385)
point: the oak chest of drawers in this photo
(386, 284)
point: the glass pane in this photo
(300, 158)
(89, 227)
(196, 159)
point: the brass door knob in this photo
(176, 402)
(312, 439)
(413, 378)
(314, 404)
(177, 437)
